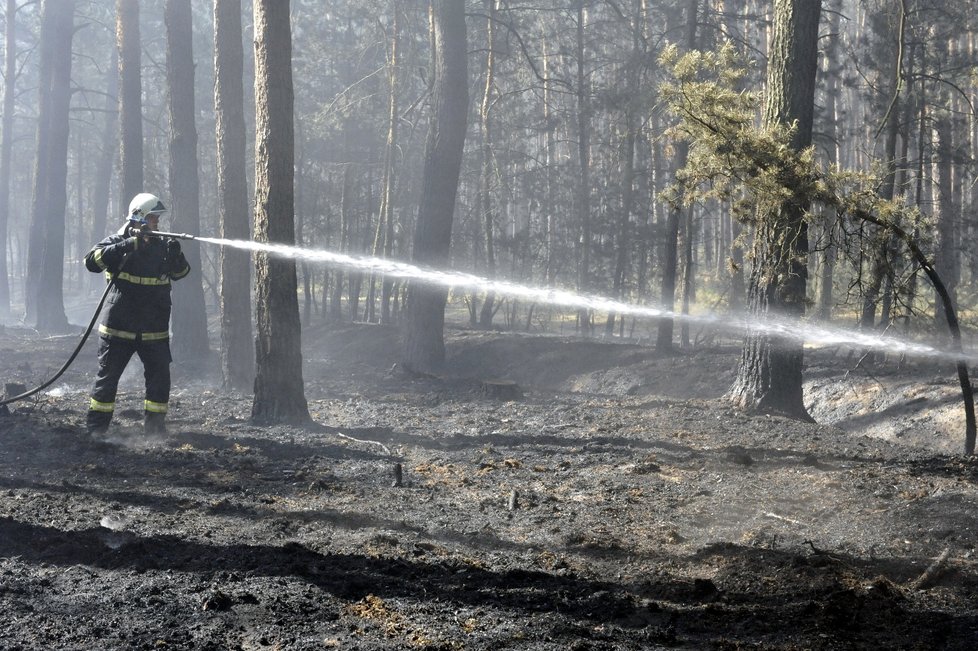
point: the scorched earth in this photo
(609, 499)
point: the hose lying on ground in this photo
(74, 354)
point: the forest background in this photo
(568, 176)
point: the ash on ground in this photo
(620, 503)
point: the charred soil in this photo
(605, 498)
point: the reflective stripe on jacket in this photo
(139, 301)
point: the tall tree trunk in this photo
(486, 177)
(677, 213)
(769, 378)
(190, 345)
(944, 213)
(279, 393)
(45, 295)
(880, 264)
(584, 169)
(130, 98)
(832, 71)
(390, 150)
(550, 122)
(101, 190)
(424, 344)
(623, 235)
(336, 301)
(237, 347)
(6, 145)
(688, 239)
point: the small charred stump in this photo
(501, 390)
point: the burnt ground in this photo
(619, 504)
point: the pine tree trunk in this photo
(6, 146)
(677, 214)
(279, 393)
(45, 298)
(387, 286)
(944, 214)
(879, 262)
(190, 345)
(623, 235)
(424, 344)
(584, 170)
(130, 98)
(770, 375)
(237, 342)
(485, 180)
(106, 161)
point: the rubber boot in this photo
(154, 423)
(97, 422)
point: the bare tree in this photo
(237, 348)
(279, 394)
(424, 343)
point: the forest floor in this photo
(619, 503)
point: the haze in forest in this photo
(547, 145)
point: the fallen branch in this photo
(350, 438)
(783, 519)
(933, 571)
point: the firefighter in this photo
(138, 316)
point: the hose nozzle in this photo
(175, 236)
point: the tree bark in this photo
(190, 345)
(390, 151)
(677, 213)
(6, 145)
(486, 177)
(130, 98)
(880, 265)
(944, 214)
(769, 378)
(101, 190)
(237, 351)
(584, 170)
(626, 166)
(279, 394)
(833, 72)
(424, 344)
(45, 295)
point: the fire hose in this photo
(94, 319)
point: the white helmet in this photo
(145, 204)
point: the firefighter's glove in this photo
(172, 248)
(137, 230)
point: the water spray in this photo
(773, 327)
(770, 326)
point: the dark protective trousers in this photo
(114, 354)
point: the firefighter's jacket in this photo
(139, 302)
